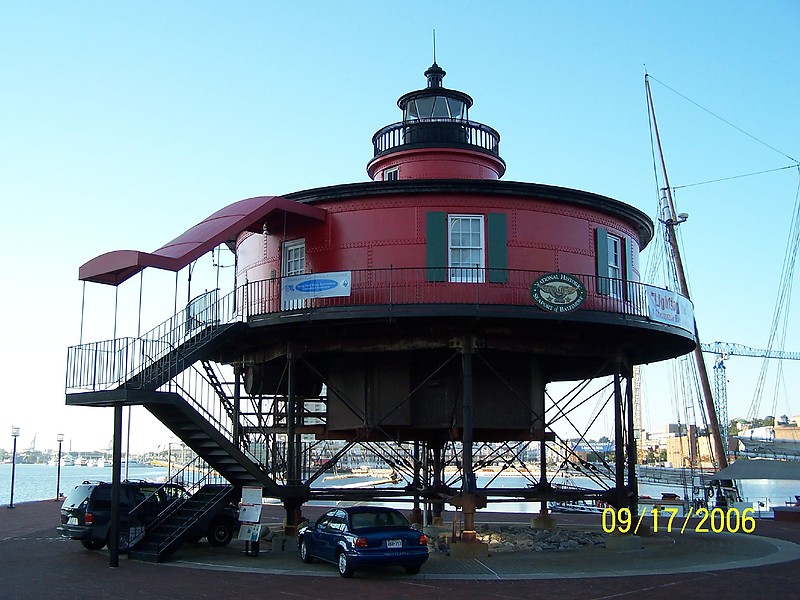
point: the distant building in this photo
(691, 450)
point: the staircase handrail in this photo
(211, 314)
(107, 364)
(191, 466)
(188, 391)
(196, 466)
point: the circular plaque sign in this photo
(558, 292)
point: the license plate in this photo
(394, 543)
(72, 521)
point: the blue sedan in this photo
(363, 536)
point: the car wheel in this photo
(413, 570)
(220, 533)
(124, 542)
(305, 555)
(345, 570)
(93, 544)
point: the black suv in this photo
(86, 513)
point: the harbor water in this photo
(38, 482)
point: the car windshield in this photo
(383, 518)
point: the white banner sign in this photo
(315, 285)
(668, 307)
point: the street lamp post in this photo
(179, 462)
(15, 435)
(60, 438)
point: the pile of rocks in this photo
(518, 538)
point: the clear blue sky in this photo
(124, 123)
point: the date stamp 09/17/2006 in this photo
(716, 520)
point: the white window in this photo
(615, 265)
(294, 258)
(392, 174)
(465, 249)
(293, 263)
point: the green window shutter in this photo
(436, 246)
(601, 256)
(497, 254)
(627, 275)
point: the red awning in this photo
(113, 268)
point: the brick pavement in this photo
(35, 562)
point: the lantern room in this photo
(435, 139)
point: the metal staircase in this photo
(152, 359)
(208, 442)
(165, 390)
(186, 521)
(158, 371)
(211, 376)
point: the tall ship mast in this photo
(672, 220)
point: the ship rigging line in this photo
(716, 116)
(679, 187)
(780, 317)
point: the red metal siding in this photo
(438, 163)
(374, 233)
(250, 257)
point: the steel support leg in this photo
(237, 392)
(292, 474)
(116, 476)
(633, 485)
(544, 513)
(469, 485)
(438, 505)
(619, 444)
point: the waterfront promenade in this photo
(36, 563)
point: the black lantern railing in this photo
(455, 133)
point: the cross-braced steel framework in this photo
(288, 435)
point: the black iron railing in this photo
(110, 363)
(131, 361)
(479, 287)
(171, 495)
(448, 132)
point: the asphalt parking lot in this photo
(38, 563)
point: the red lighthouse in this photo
(419, 316)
